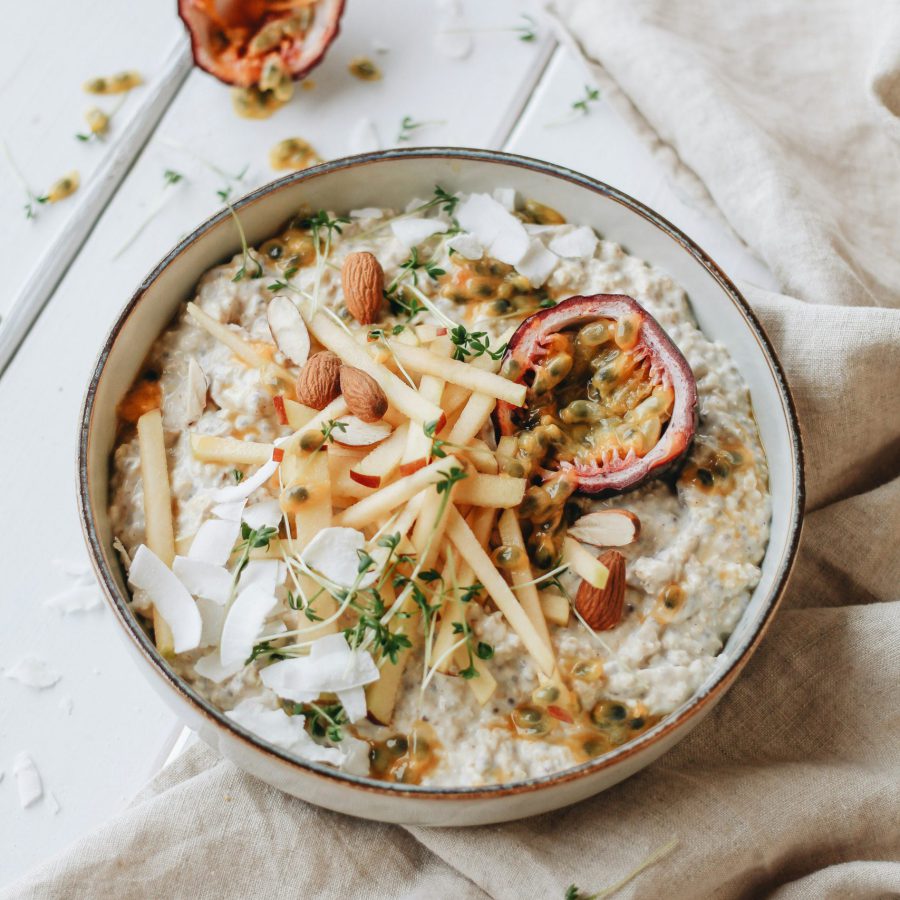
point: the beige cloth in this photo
(785, 117)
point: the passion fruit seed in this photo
(293, 153)
(508, 557)
(65, 187)
(547, 693)
(364, 69)
(529, 720)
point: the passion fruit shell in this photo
(234, 39)
(529, 346)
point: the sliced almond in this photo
(607, 528)
(288, 329)
(319, 381)
(363, 281)
(601, 608)
(364, 396)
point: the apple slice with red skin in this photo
(221, 32)
(527, 348)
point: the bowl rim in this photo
(695, 706)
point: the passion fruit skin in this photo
(526, 348)
(300, 58)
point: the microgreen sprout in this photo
(408, 125)
(245, 249)
(170, 179)
(33, 200)
(323, 721)
(526, 31)
(480, 649)
(579, 107)
(440, 198)
(237, 475)
(473, 343)
(573, 892)
(251, 539)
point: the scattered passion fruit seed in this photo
(364, 69)
(114, 84)
(64, 187)
(254, 103)
(293, 153)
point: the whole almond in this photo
(319, 381)
(363, 281)
(602, 608)
(364, 396)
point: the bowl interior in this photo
(392, 179)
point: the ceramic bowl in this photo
(391, 178)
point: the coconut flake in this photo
(210, 666)
(214, 541)
(510, 245)
(53, 803)
(288, 329)
(494, 226)
(203, 579)
(537, 264)
(577, 244)
(74, 568)
(28, 780)
(248, 485)
(413, 231)
(244, 623)
(213, 616)
(368, 212)
(354, 703)
(33, 672)
(169, 596)
(265, 514)
(77, 598)
(276, 727)
(361, 434)
(334, 553)
(364, 139)
(356, 755)
(265, 573)
(506, 197)
(467, 246)
(232, 511)
(331, 667)
(66, 705)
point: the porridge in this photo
(453, 495)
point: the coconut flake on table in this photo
(248, 485)
(364, 139)
(169, 596)
(53, 803)
(537, 264)
(77, 598)
(265, 514)
(334, 554)
(331, 667)
(214, 541)
(466, 245)
(33, 672)
(276, 727)
(203, 579)
(66, 705)
(28, 780)
(580, 243)
(412, 231)
(244, 623)
(74, 568)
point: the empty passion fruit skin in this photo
(250, 43)
(632, 365)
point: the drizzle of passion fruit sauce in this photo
(405, 758)
(293, 249)
(587, 733)
(144, 396)
(293, 153)
(712, 470)
(591, 401)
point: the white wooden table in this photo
(117, 733)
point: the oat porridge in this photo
(452, 495)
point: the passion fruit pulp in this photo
(257, 43)
(611, 400)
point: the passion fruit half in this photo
(611, 400)
(257, 43)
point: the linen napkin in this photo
(782, 117)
